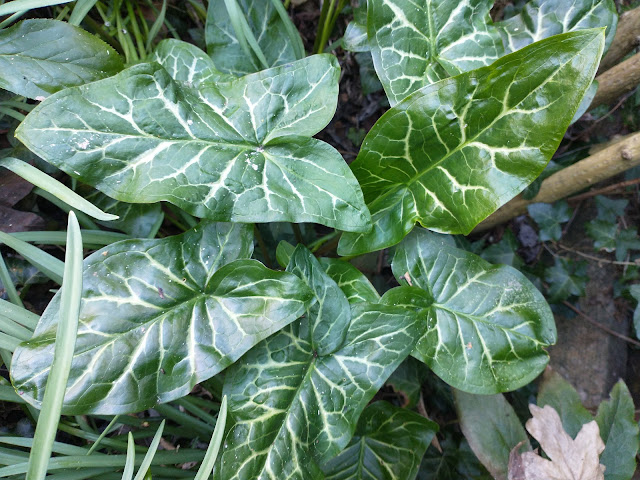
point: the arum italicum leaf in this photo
(41, 56)
(267, 27)
(418, 43)
(543, 18)
(292, 409)
(486, 325)
(388, 444)
(453, 152)
(159, 316)
(236, 150)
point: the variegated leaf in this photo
(228, 151)
(330, 315)
(453, 152)
(487, 325)
(267, 27)
(543, 18)
(292, 409)
(41, 56)
(352, 281)
(388, 444)
(418, 43)
(159, 316)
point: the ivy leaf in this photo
(418, 43)
(487, 326)
(159, 316)
(39, 57)
(609, 209)
(330, 315)
(634, 290)
(388, 444)
(542, 18)
(453, 152)
(549, 218)
(627, 239)
(566, 278)
(492, 428)
(407, 381)
(351, 281)
(604, 234)
(137, 219)
(229, 151)
(266, 25)
(505, 251)
(559, 394)
(292, 410)
(619, 431)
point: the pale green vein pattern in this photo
(355, 285)
(543, 18)
(292, 409)
(159, 316)
(453, 152)
(267, 27)
(228, 151)
(487, 326)
(388, 444)
(418, 43)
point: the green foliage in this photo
(550, 218)
(566, 278)
(183, 310)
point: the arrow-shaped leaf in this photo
(453, 152)
(159, 316)
(388, 444)
(228, 151)
(418, 43)
(487, 325)
(351, 281)
(543, 18)
(41, 56)
(293, 409)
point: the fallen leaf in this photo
(570, 459)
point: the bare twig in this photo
(605, 190)
(601, 326)
(593, 257)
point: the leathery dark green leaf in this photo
(543, 18)
(228, 151)
(453, 152)
(487, 326)
(329, 315)
(291, 410)
(159, 316)
(39, 57)
(351, 281)
(267, 27)
(418, 43)
(388, 444)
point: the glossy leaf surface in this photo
(453, 152)
(329, 315)
(266, 25)
(229, 151)
(418, 43)
(487, 326)
(41, 56)
(543, 18)
(351, 281)
(388, 444)
(159, 316)
(292, 409)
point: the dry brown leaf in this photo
(571, 459)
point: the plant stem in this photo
(626, 39)
(617, 81)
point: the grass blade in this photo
(90, 238)
(8, 285)
(20, 5)
(18, 314)
(80, 11)
(65, 343)
(131, 458)
(54, 187)
(157, 25)
(146, 462)
(48, 264)
(214, 446)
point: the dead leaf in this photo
(570, 459)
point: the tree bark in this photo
(617, 81)
(627, 38)
(609, 162)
